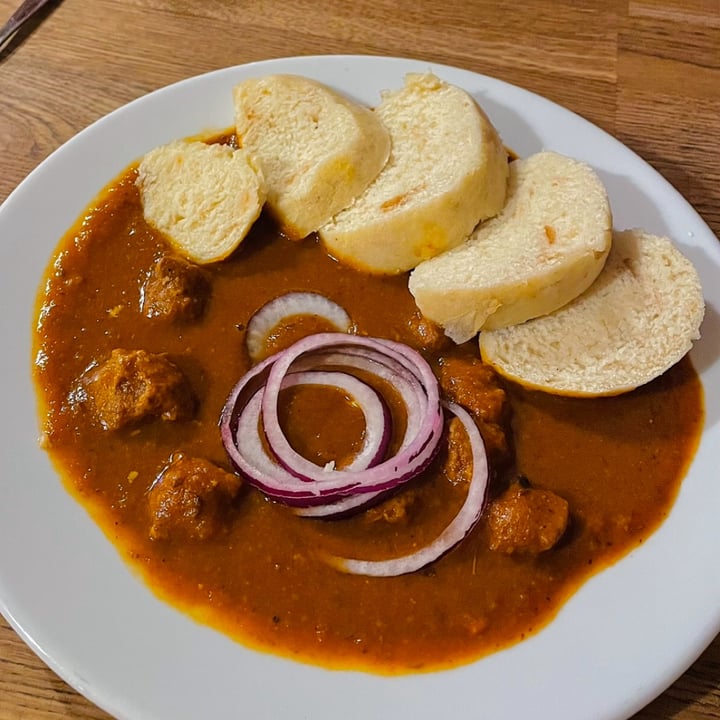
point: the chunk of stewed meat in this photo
(458, 465)
(175, 289)
(474, 385)
(395, 509)
(429, 335)
(133, 386)
(526, 520)
(456, 468)
(190, 499)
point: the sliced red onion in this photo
(387, 369)
(257, 462)
(465, 520)
(375, 410)
(244, 444)
(406, 385)
(270, 315)
(347, 505)
(282, 473)
(261, 469)
(410, 459)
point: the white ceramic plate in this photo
(621, 640)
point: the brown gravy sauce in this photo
(618, 462)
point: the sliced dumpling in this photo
(446, 172)
(546, 247)
(636, 320)
(203, 198)
(318, 150)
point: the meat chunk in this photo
(474, 385)
(190, 499)
(459, 462)
(526, 520)
(133, 386)
(457, 465)
(394, 510)
(430, 335)
(175, 289)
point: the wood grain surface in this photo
(647, 71)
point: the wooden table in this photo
(647, 71)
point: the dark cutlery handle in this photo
(26, 10)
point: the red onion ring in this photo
(282, 473)
(259, 449)
(404, 382)
(376, 412)
(387, 369)
(463, 522)
(339, 508)
(270, 315)
(429, 411)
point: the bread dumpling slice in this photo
(317, 149)
(203, 198)
(636, 320)
(546, 247)
(447, 171)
